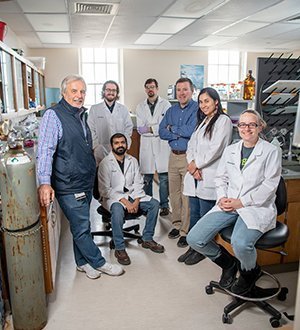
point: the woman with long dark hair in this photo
(205, 148)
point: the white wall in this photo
(12, 41)
(60, 62)
(138, 65)
(164, 66)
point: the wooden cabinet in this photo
(292, 218)
(21, 83)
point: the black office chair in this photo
(273, 238)
(127, 231)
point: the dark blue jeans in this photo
(78, 214)
(118, 218)
(163, 188)
(198, 208)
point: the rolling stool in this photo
(127, 231)
(271, 239)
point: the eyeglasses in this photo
(250, 125)
(150, 87)
(108, 90)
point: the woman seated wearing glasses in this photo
(246, 181)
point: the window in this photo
(224, 66)
(96, 66)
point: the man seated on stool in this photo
(121, 191)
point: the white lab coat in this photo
(112, 181)
(255, 185)
(207, 153)
(104, 124)
(154, 152)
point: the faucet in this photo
(290, 154)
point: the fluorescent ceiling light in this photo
(34, 6)
(193, 9)
(169, 25)
(54, 38)
(212, 41)
(240, 28)
(152, 39)
(51, 22)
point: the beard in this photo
(119, 151)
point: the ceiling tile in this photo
(43, 6)
(49, 22)
(192, 8)
(241, 28)
(54, 38)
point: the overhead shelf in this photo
(284, 86)
(279, 98)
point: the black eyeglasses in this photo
(250, 125)
(108, 90)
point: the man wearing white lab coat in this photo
(107, 118)
(154, 152)
(121, 191)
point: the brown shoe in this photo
(153, 246)
(122, 257)
(164, 212)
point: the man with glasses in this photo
(107, 118)
(154, 152)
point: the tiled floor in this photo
(156, 292)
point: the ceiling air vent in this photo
(95, 8)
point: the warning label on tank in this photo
(17, 160)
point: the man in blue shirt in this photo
(177, 127)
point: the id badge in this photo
(79, 196)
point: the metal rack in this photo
(277, 90)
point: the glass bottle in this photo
(249, 87)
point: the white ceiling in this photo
(252, 25)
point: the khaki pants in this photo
(179, 202)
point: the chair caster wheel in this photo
(275, 323)
(111, 245)
(226, 319)
(140, 241)
(209, 289)
(282, 294)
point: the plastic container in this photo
(3, 28)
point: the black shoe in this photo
(194, 258)
(174, 233)
(164, 212)
(182, 242)
(184, 256)
(228, 276)
(246, 281)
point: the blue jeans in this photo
(78, 214)
(198, 208)
(243, 240)
(118, 218)
(163, 188)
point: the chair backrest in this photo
(281, 197)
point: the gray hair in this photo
(69, 79)
(259, 117)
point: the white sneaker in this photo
(111, 269)
(89, 271)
